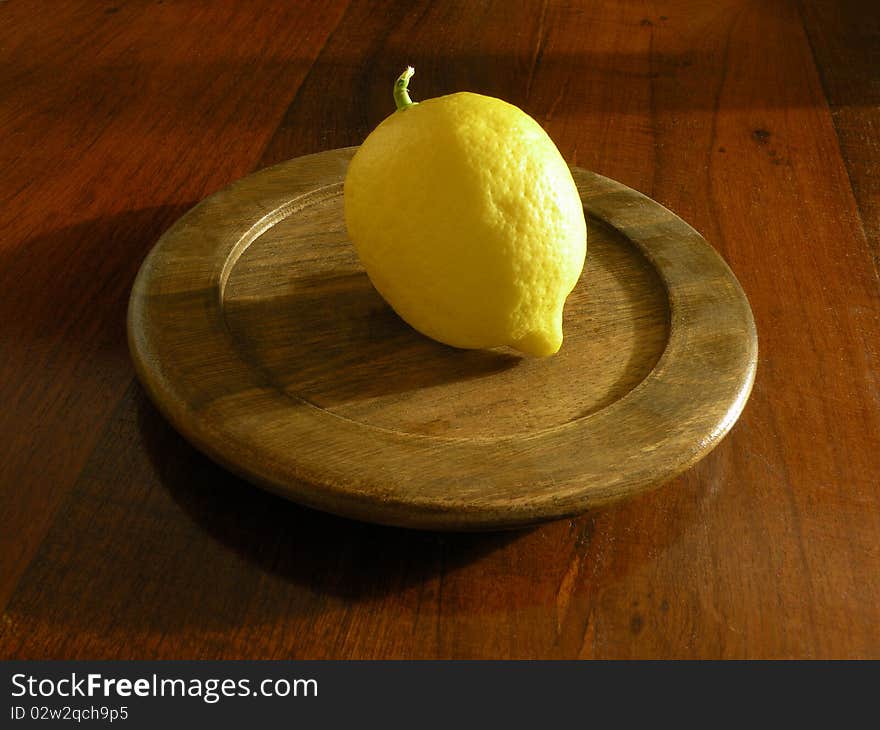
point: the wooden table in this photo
(757, 122)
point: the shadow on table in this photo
(343, 557)
(161, 553)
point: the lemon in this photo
(467, 221)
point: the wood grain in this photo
(257, 293)
(106, 118)
(845, 40)
(120, 540)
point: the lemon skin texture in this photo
(468, 223)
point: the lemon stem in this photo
(401, 90)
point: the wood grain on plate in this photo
(755, 122)
(257, 332)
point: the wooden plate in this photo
(257, 334)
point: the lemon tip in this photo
(539, 344)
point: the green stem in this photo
(401, 90)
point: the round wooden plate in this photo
(258, 335)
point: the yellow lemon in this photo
(467, 221)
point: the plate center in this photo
(301, 308)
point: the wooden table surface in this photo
(757, 122)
